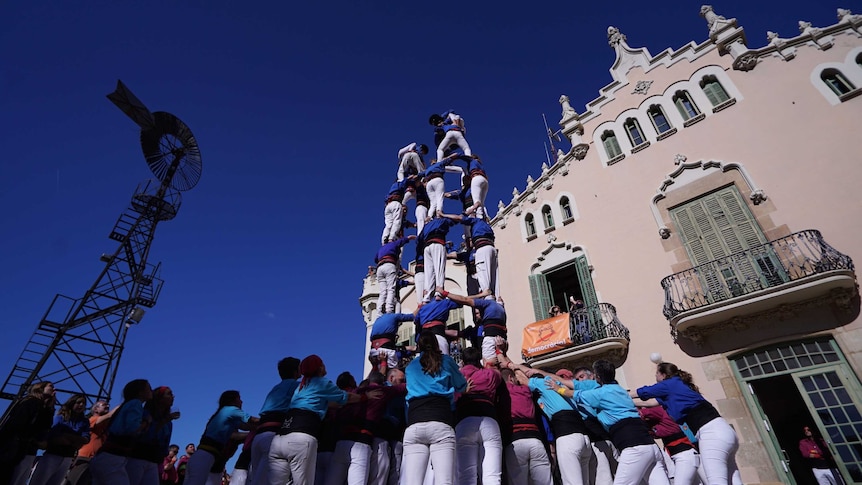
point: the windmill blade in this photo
(128, 103)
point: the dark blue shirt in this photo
(438, 227)
(390, 249)
(481, 229)
(435, 310)
(398, 188)
(388, 323)
(674, 395)
(491, 311)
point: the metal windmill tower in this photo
(79, 341)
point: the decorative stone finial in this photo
(773, 39)
(709, 15)
(615, 36)
(568, 111)
(515, 192)
(803, 26)
(845, 15)
(664, 232)
(529, 180)
(545, 167)
(500, 206)
(679, 158)
(551, 238)
(757, 196)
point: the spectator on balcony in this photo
(676, 391)
(554, 311)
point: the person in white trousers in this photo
(410, 160)
(453, 128)
(477, 434)
(527, 460)
(388, 259)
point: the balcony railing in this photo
(592, 331)
(798, 256)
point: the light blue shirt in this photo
(316, 395)
(127, 420)
(279, 397)
(611, 402)
(225, 421)
(550, 402)
(446, 383)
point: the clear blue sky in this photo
(299, 109)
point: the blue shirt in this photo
(316, 395)
(398, 188)
(611, 402)
(224, 422)
(438, 227)
(674, 396)
(390, 249)
(158, 434)
(491, 311)
(388, 323)
(480, 228)
(278, 399)
(446, 383)
(435, 310)
(438, 168)
(127, 420)
(550, 402)
(79, 427)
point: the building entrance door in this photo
(804, 384)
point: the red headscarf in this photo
(565, 374)
(308, 368)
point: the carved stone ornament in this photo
(548, 183)
(518, 210)
(564, 169)
(773, 39)
(501, 206)
(664, 232)
(532, 196)
(551, 238)
(642, 87)
(515, 192)
(745, 62)
(845, 15)
(580, 151)
(757, 196)
(568, 111)
(709, 14)
(615, 36)
(545, 168)
(530, 180)
(679, 159)
(560, 154)
(504, 222)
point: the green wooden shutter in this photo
(591, 301)
(541, 293)
(719, 225)
(612, 146)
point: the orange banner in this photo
(546, 336)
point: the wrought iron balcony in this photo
(795, 268)
(593, 333)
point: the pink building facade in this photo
(707, 215)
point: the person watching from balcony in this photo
(554, 311)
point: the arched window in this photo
(612, 146)
(633, 130)
(714, 90)
(859, 60)
(548, 217)
(566, 208)
(836, 81)
(658, 118)
(685, 105)
(530, 224)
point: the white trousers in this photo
(410, 162)
(430, 442)
(603, 464)
(23, 470)
(718, 443)
(350, 461)
(686, 464)
(110, 469)
(435, 268)
(419, 283)
(259, 465)
(480, 451)
(50, 470)
(824, 476)
(435, 187)
(390, 356)
(142, 472)
(573, 458)
(527, 462)
(378, 471)
(453, 136)
(391, 221)
(292, 457)
(396, 451)
(641, 463)
(486, 268)
(239, 477)
(387, 274)
(421, 214)
(198, 469)
(479, 190)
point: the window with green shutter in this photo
(836, 82)
(612, 146)
(556, 286)
(724, 241)
(685, 105)
(714, 90)
(541, 291)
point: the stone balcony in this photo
(733, 301)
(593, 333)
